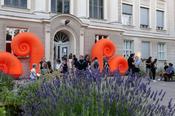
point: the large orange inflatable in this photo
(103, 48)
(118, 63)
(28, 44)
(9, 64)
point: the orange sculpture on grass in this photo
(9, 64)
(106, 48)
(28, 44)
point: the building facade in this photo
(144, 27)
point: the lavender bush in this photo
(88, 93)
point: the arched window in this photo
(60, 6)
(61, 37)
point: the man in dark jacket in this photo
(131, 64)
(81, 64)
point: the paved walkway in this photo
(169, 87)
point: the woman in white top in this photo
(33, 74)
(70, 63)
(58, 65)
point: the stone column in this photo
(2, 2)
(81, 8)
(152, 14)
(29, 4)
(113, 17)
(72, 7)
(47, 42)
(40, 5)
(136, 14)
(105, 9)
(82, 41)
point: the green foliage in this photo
(6, 81)
(2, 111)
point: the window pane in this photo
(53, 5)
(128, 47)
(144, 16)
(23, 3)
(127, 9)
(91, 8)
(59, 6)
(100, 2)
(161, 51)
(15, 3)
(8, 36)
(7, 2)
(8, 47)
(160, 18)
(66, 6)
(96, 9)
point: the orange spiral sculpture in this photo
(103, 48)
(9, 64)
(28, 44)
(118, 63)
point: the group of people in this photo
(151, 67)
(65, 65)
(72, 63)
(134, 63)
(168, 71)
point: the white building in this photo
(146, 27)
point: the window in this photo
(99, 37)
(160, 20)
(60, 6)
(16, 3)
(128, 47)
(161, 51)
(126, 14)
(10, 33)
(145, 49)
(144, 17)
(96, 9)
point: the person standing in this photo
(58, 65)
(131, 64)
(81, 63)
(74, 61)
(95, 63)
(148, 66)
(70, 65)
(43, 66)
(49, 67)
(137, 64)
(33, 73)
(153, 69)
(87, 62)
(64, 66)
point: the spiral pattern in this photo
(108, 51)
(28, 44)
(118, 63)
(24, 49)
(9, 64)
(103, 48)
